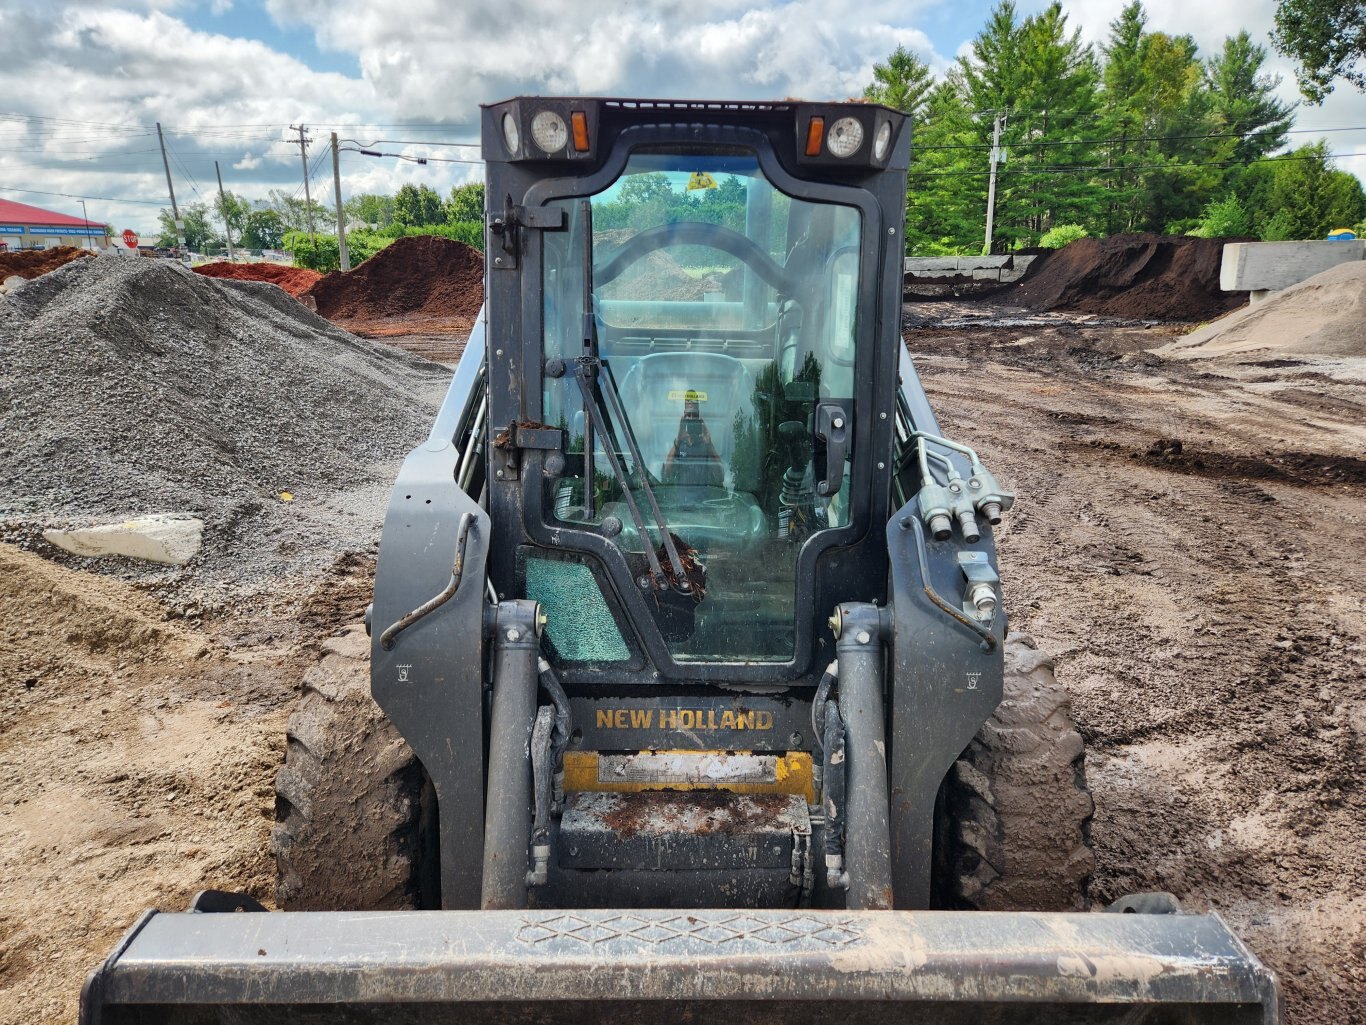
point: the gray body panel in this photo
(431, 681)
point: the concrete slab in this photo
(986, 274)
(169, 539)
(1262, 266)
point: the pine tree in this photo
(903, 83)
(1243, 101)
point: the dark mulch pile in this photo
(1144, 276)
(421, 276)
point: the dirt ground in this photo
(139, 757)
(1189, 547)
(1188, 544)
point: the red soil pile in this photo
(33, 263)
(1150, 277)
(294, 280)
(421, 278)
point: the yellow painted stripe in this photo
(793, 776)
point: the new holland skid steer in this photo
(698, 703)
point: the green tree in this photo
(263, 228)
(945, 197)
(1309, 197)
(466, 203)
(417, 205)
(903, 83)
(199, 231)
(1225, 218)
(294, 210)
(1242, 99)
(1326, 39)
(639, 189)
(1043, 80)
(232, 209)
(1157, 115)
(370, 208)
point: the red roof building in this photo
(31, 227)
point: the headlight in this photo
(511, 135)
(882, 141)
(549, 131)
(845, 137)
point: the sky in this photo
(84, 82)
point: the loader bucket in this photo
(883, 967)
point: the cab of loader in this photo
(690, 619)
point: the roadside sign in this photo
(130, 238)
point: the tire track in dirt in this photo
(1206, 613)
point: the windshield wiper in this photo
(600, 397)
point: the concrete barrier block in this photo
(923, 264)
(173, 540)
(986, 274)
(1260, 266)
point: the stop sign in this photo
(130, 238)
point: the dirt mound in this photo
(137, 760)
(1153, 277)
(1321, 316)
(136, 386)
(33, 263)
(419, 278)
(294, 280)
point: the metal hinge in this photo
(508, 226)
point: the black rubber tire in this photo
(1014, 811)
(350, 831)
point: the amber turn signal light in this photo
(815, 135)
(579, 123)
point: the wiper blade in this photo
(600, 392)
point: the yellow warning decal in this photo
(700, 180)
(679, 395)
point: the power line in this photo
(1146, 138)
(72, 195)
(1066, 169)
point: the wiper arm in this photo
(600, 392)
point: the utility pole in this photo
(223, 202)
(341, 227)
(86, 215)
(991, 187)
(308, 197)
(175, 210)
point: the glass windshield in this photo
(723, 315)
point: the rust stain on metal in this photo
(702, 813)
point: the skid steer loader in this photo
(698, 700)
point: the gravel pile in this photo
(136, 386)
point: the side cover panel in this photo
(947, 680)
(430, 682)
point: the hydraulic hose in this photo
(818, 708)
(833, 800)
(564, 723)
(540, 775)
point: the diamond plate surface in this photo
(693, 928)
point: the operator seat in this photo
(656, 387)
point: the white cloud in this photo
(440, 57)
(132, 63)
